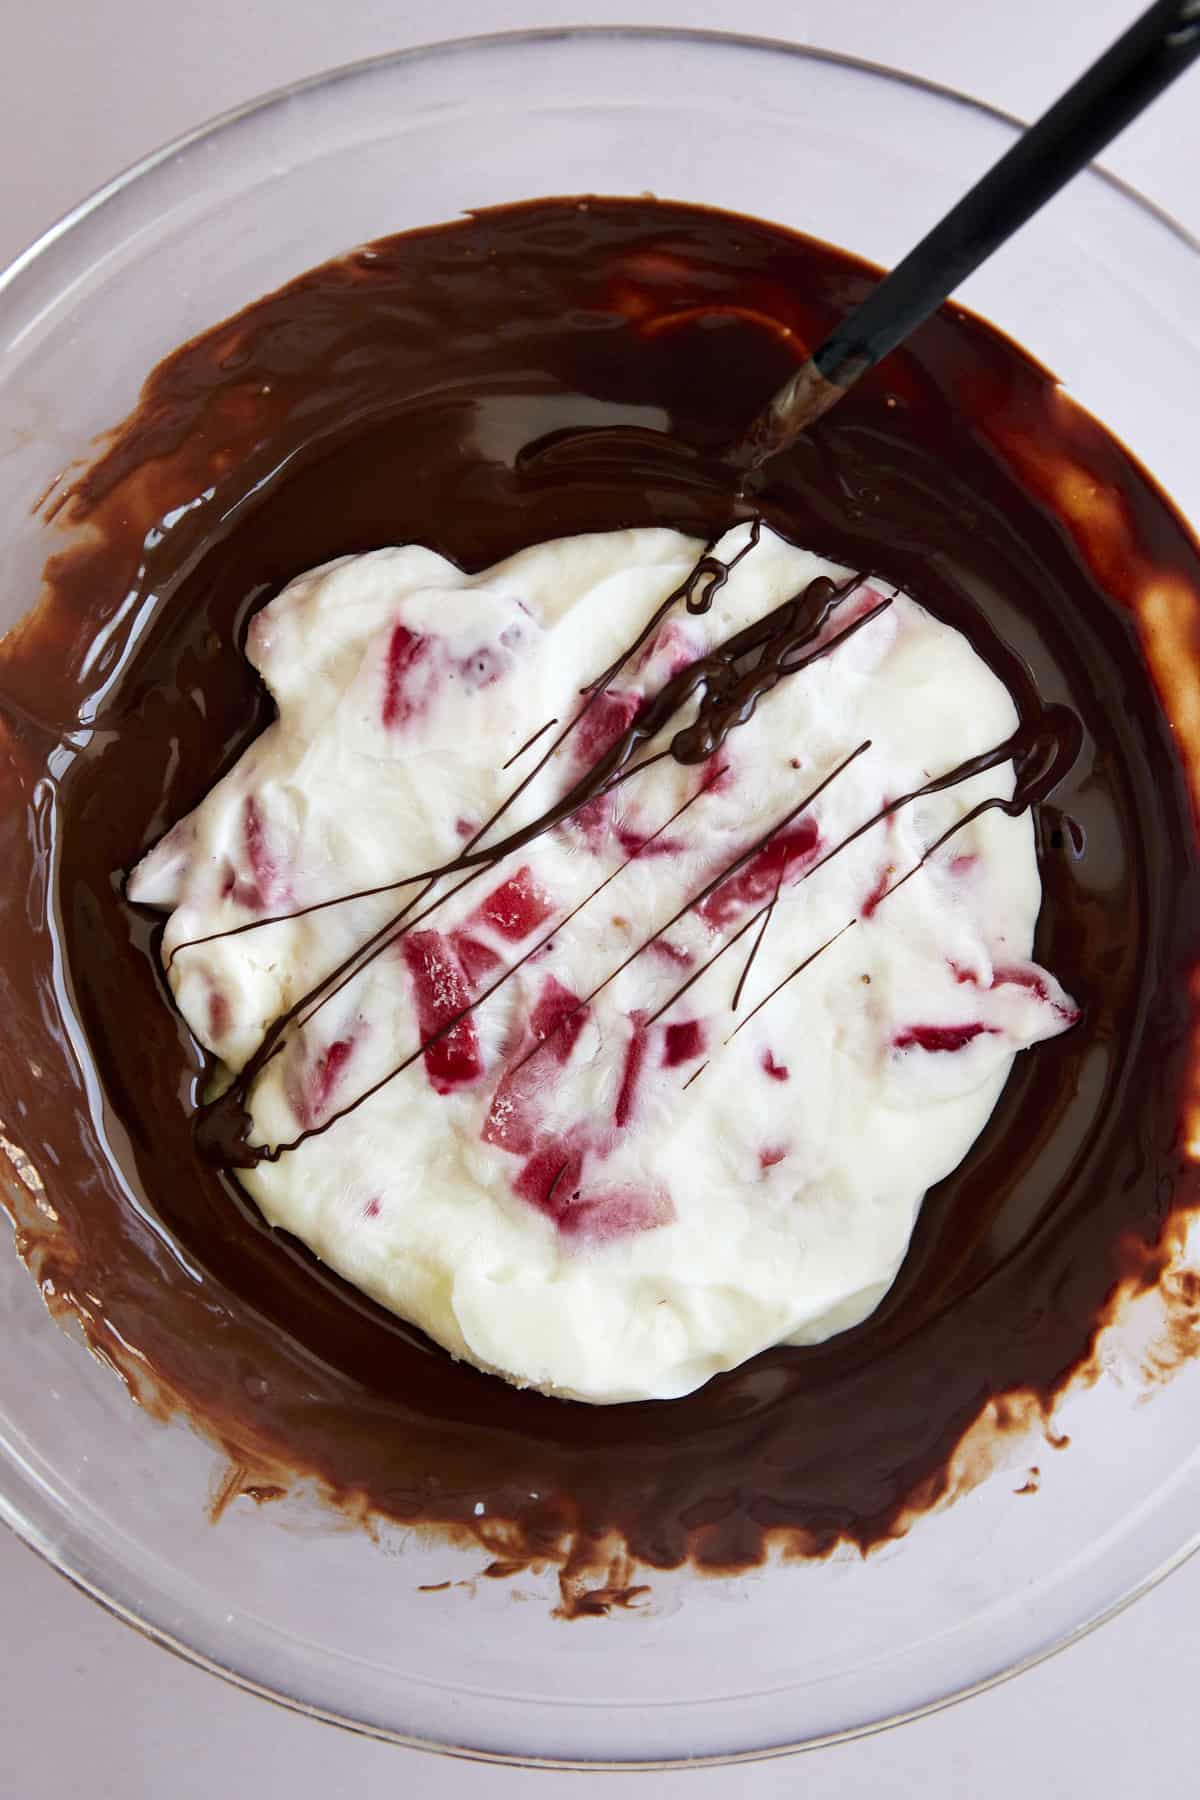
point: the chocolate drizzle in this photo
(375, 402)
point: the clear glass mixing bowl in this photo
(1103, 289)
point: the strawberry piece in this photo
(777, 1071)
(441, 990)
(777, 862)
(593, 821)
(672, 953)
(878, 892)
(372, 1209)
(674, 646)
(556, 1021)
(517, 907)
(218, 1013)
(268, 885)
(603, 1214)
(636, 843)
(683, 1043)
(478, 959)
(941, 1037)
(550, 1178)
(1035, 983)
(771, 1154)
(635, 1056)
(311, 1085)
(603, 721)
(405, 652)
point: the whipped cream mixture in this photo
(663, 1083)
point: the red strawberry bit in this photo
(405, 652)
(941, 1037)
(550, 1178)
(372, 1209)
(1035, 983)
(962, 866)
(878, 892)
(967, 977)
(517, 907)
(605, 719)
(441, 990)
(556, 1021)
(593, 821)
(599, 1216)
(636, 843)
(674, 645)
(464, 828)
(311, 1085)
(672, 953)
(218, 1013)
(635, 1056)
(777, 1071)
(683, 1043)
(478, 959)
(771, 1154)
(268, 886)
(778, 861)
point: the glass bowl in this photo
(287, 1600)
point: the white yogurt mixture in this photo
(593, 1183)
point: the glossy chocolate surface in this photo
(419, 390)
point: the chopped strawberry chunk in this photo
(556, 1021)
(372, 1209)
(310, 1086)
(268, 885)
(441, 991)
(674, 646)
(635, 1056)
(478, 959)
(559, 1017)
(771, 1154)
(778, 861)
(672, 953)
(605, 718)
(878, 892)
(599, 1216)
(218, 1013)
(405, 652)
(777, 1071)
(941, 1037)
(683, 1043)
(550, 1178)
(593, 821)
(636, 843)
(1034, 982)
(517, 907)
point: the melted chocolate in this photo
(419, 390)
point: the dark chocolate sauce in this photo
(424, 390)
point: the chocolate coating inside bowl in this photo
(415, 391)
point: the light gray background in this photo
(87, 86)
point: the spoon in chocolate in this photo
(1156, 49)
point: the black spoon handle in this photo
(1159, 46)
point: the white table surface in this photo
(86, 1706)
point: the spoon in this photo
(1157, 48)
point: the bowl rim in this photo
(57, 1556)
